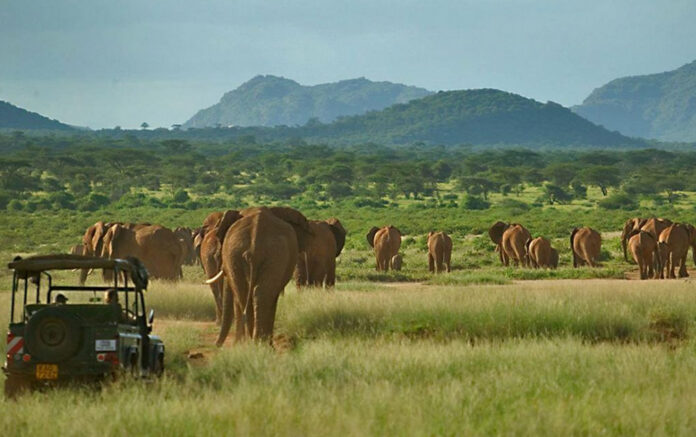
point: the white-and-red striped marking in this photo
(15, 344)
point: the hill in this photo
(479, 117)
(660, 106)
(12, 117)
(273, 101)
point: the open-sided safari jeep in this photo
(66, 333)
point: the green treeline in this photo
(90, 172)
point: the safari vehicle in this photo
(67, 333)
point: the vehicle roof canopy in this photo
(40, 263)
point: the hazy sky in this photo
(121, 62)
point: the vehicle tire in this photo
(15, 386)
(158, 368)
(52, 335)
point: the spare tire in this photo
(53, 335)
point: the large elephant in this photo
(259, 255)
(586, 244)
(541, 254)
(674, 242)
(439, 252)
(495, 232)
(386, 243)
(92, 243)
(185, 237)
(514, 244)
(642, 246)
(156, 246)
(629, 226)
(316, 266)
(211, 256)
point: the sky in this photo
(102, 64)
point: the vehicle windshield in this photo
(31, 292)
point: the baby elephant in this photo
(395, 262)
(439, 252)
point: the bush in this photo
(475, 203)
(93, 202)
(514, 204)
(61, 200)
(15, 205)
(619, 201)
(361, 202)
(180, 196)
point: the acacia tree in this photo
(602, 176)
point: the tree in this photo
(144, 125)
(602, 176)
(555, 194)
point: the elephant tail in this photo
(247, 258)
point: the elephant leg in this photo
(216, 289)
(682, 266)
(331, 273)
(265, 301)
(301, 271)
(83, 276)
(641, 268)
(431, 263)
(448, 259)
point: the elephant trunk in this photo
(227, 314)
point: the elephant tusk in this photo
(214, 278)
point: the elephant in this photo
(92, 243)
(198, 235)
(541, 254)
(156, 246)
(396, 262)
(77, 249)
(259, 255)
(495, 232)
(674, 242)
(631, 224)
(439, 252)
(642, 246)
(586, 244)
(316, 266)
(185, 236)
(655, 226)
(386, 243)
(513, 244)
(211, 256)
(211, 220)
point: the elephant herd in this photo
(513, 242)
(658, 246)
(386, 242)
(162, 250)
(250, 255)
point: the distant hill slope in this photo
(273, 101)
(12, 117)
(479, 117)
(661, 106)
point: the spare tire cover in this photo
(53, 335)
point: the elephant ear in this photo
(338, 232)
(496, 231)
(211, 221)
(228, 219)
(396, 229)
(371, 236)
(297, 220)
(100, 229)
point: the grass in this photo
(537, 357)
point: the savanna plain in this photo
(483, 350)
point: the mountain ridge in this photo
(14, 117)
(660, 106)
(268, 100)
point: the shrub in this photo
(15, 205)
(475, 203)
(180, 196)
(93, 202)
(619, 201)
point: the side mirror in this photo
(151, 317)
